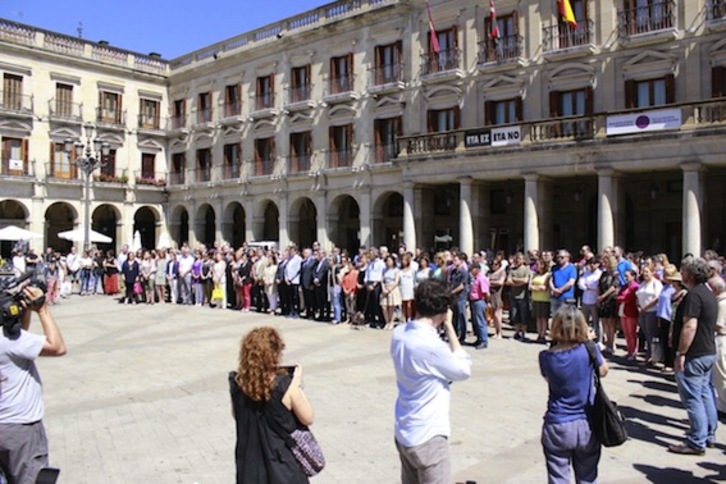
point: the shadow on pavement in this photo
(640, 431)
(719, 469)
(659, 401)
(660, 475)
(657, 385)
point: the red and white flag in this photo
(432, 31)
(493, 25)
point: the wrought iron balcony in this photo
(204, 116)
(112, 177)
(177, 123)
(61, 171)
(231, 171)
(387, 74)
(147, 121)
(111, 117)
(340, 158)
(301, 93)
(658, 15)
(385, 153)
(445, 60)
(177, 177)
(202, 174)
(263, 167)
(298, 164)
(15, 168)
(508, 47)
(12, 102)
(150, 179)
(264, 101)
(61, 110)
(565, 36)
(232, 109)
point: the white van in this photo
(263, 244)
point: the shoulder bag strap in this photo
(593, 358)
(279, 430)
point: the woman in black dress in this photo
(607, 304)
(263, 391)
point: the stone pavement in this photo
(142, 397)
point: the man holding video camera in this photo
(23, 446)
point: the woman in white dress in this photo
(391, 294)
(407, 277)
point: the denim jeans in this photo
(460, 319)
(555, 305)
(334, 294)
(696, 391)
(85, 279)
(478, 309)
(185, 287)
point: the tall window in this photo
(204, 165)
(341, 74)
(388, 63)
(717, 10)
(508, 46)
(108, 169)
(149, 114)
(15, 156)
(265, 92)
(178, 168)
(448, 56)
(204, 107)
(386, 133)
(179, 114)
(264, 156)
(110, 107)
(341, 146)
(233, 100)
(12, 92)
(62, 163)
(718, 81)
(440, 120)
(575, 103)
(570, 36)
(148, 166)
(64, 100)
(503, 112)
(300, 151)
(650, 92)
(232, 161)
(300, 85)
(648, 15)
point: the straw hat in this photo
(670, 273)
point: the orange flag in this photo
(566, 12)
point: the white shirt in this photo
(21, 398)
(424, 366)
(19, 264)
(589, 282)
(185, 264)
(647, 292)
(374, 271)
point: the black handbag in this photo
(606, 421)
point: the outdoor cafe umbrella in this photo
(76, 235)
(12, 232)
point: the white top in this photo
(589, 282)
(19, 263)
(647, 292)
(21, 397)
(405, 283)
(374, 271)
(424, 366)
(185, 264)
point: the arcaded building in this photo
(350, 125)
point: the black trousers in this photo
(283, 291)
(373, 313)
(309, 300)
(294, 298)
(259, 299)
(321, 302)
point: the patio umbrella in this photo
(76, 235)
(165, 241)
(136, 243)
(12, 232)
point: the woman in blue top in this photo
(566, 435)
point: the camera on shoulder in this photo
(13, 302)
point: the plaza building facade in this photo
(356, 124)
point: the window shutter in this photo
(630, 94)
(52, 158)
(457, 118)
(555, 108)
(455, 37)
(717, 81)
(589, 101)
(431, 45)
(515, 23)
(272, 90)
(670, 85)
(119, 108)
(333, 159)
(350, 65)
(518, 109)
(430, 121)
(258, 89)
(378, 65)
(25, 156)
(488, 113)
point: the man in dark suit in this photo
(306, 281)
(282, 288)
(320, 286)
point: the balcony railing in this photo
(565, 128)
(110, 117)
(204, 116)
(264, 101)
(507, 48)
(564, 35)
(117, 176)
(150, 178)
(177, 177)
(387, 74)
(659, 15)
(300, 93)
(231, 171)
(432, 142)
(341, 84)
(710, 112)
(202, 174)
(263, 167)
(15, 102)
(147, 121)
(340, 158)
(232, 109)
(62, 171)
(445, 60)
(385, 153)
(177, 122)
(716, 9)
(298, 164)
(65, 110)
(11, 167)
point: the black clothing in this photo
(608, 306)
(699, 303)
(260, 454)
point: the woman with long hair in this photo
(407, 282)
(391, 294)
(539, 285)
(567, 438)
(161, 263)
(607, 301)
(266, 396)
(270, 286)
(628, 312)
(647, 294)
(111, 270)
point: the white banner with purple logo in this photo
(645, 121)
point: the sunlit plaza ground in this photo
(142, 397)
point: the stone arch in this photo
(388, 219)
(268, 226)
(105, 220)
(204, 225)
(179, 225)
(344, 223)
(234, 224)
(147, 223)
(303, 222)
(12, 212)
(59, 216)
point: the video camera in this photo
(12, 297)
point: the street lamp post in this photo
(88, 157)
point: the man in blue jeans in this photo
(478, 298)
(562, 282)
(693, 337)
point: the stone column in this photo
(249, 207)
(607, 203)
(365, 219)
(692, 208)
(219, 220)
(284, 235)
(322, 220)
(409, 220)
(531, 212)
(466, 226)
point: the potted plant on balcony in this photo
(150, 181)
(104, 178)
